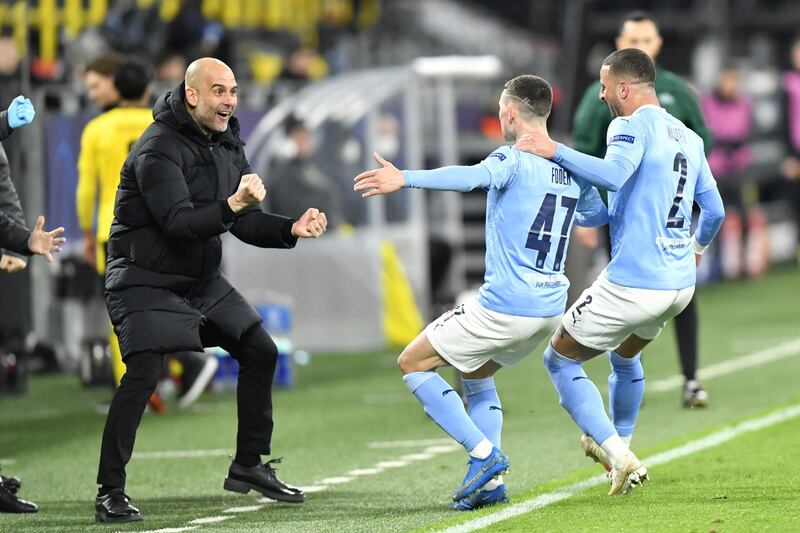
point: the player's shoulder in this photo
(503, 153)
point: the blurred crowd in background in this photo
(741, 57)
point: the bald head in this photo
(205, 69)
(210, 94)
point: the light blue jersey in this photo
(651, 213)
(530, 209)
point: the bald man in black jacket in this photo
(185, 182)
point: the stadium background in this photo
(417, 81)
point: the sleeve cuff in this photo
(286, 232)
(699, 249)
(559, 155)
(227, 213)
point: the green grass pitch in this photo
(327, 427)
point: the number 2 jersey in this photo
(650, 214)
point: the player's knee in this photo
(407, 364)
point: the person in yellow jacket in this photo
(105, 143)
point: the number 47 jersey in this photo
(651, 213)
(530, 208)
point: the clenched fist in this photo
(251, 191)
(12, 264)
(311, 225)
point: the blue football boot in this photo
(480, 472)
(482, 498)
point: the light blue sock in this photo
(578, 395)
(625, 391)
(444, 406)
(484, 407)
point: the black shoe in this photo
(11, 483)
(261, 478)
(9, 503)
(694, 395)
(115, 507)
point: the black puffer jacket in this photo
(164, 251)
(171, 203)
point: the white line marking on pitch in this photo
(171, 529)
(209, 520)
(336, 480)
(181, 454)
(7, 461)
(766, 355)
(364, 472)
(313, 488)
(243, 509)
(715, 439)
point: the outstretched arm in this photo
(389, 179)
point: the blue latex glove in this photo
(20, 112)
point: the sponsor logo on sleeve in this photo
(622, 139)
(498, 155)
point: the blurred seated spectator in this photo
(728, 114)
(743, 247)
(790, 167)
(304, 64)
(297, 181)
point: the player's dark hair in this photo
(636, 16)
(131, 79)
(533, 93)
(631, 65)
(105, 65)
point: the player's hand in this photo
(538, 143)
(12, 264)
(588, 237)
(311, 225)
(43, 242)
(20, 112)
(697, 259)
(251, 192)
(90, 249)
(384, 180)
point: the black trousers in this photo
(257, 356)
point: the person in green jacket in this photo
(639, 30)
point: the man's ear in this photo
(624, 90)
(191, 96)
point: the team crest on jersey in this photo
(622, 138)
(498, 155)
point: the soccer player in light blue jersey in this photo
(654, 168)
(531, 206)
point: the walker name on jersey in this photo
(673, 243)
(544, 281)
(559, 176)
